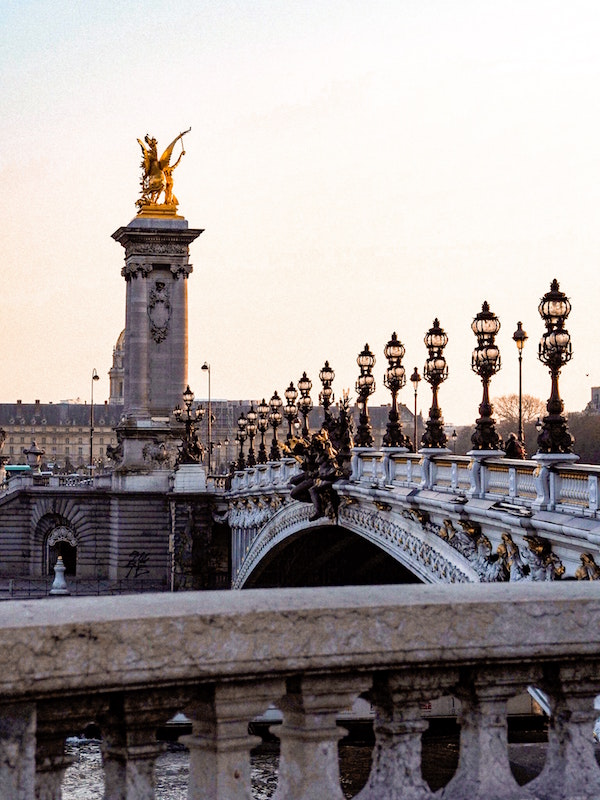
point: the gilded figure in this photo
(157, 175)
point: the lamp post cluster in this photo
(191, 448)
(394, 379)
(554, 351)
(486, 362)
(365, 386)
(435, 373)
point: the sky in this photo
(357, 170)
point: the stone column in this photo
(483, 771)
(129, 744)
(17, 751)
(308, 764)
(156, 336)
(56, 720)
(571, 771)
(398, 727)
(220, 744)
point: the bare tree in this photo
(506, 408)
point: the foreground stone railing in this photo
(222, 658)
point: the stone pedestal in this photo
(155, 369)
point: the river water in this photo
(84, 779)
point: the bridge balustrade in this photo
(568, 488)
(222, 658)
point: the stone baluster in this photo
(483, 771)
(17, 751)
(220, 744)
(571, 771)
(398, 727)
(129, 744)
(56, 720)
(308, 764)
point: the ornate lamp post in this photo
(415, 379)
(290, 410)
(365, 386)
(326, 396)
(251, 418)
(435, 373)
(275, 418)
(520, 337)
(394, 379)
(95, 377)
(486, 362)
(263, 425)
(191, 449)
(305, 404)
(555, 351)
(241, 437)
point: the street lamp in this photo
(191, 449)
(486, 363)
(394, 379)
(520, 337)
(241, 438)
(454, 438)
(206, 368)
(326, 396)
(95, 377)
(365, 386)
(415, 379)
(251, 418)
(262, 424)
(435, 373)
(290, 410)
(555, 351)
(275, 418)
(305, 404)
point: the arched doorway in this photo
(61, 541)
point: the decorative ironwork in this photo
(191, 450)
(290, 410)
(394, 379)
(251, 428)
(435, 373)
(240, 439)
(365, 386)
(486, 362)
(326, 396)
(305, 404)
(555, 351)
(262, 423)
(275, 419)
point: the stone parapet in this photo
(222, 658)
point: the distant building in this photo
(594, 405)
(61, 429)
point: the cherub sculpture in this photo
(157, 177)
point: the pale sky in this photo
(358, 169)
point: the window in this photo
(67, 450)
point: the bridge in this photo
(440, 518)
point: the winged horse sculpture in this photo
(157, 174)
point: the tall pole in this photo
(520, 337)
(414, 379)
(95, 377)
(206, 366)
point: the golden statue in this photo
(157, 178)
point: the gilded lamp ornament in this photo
(157, 178)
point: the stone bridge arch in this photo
(404, 542)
